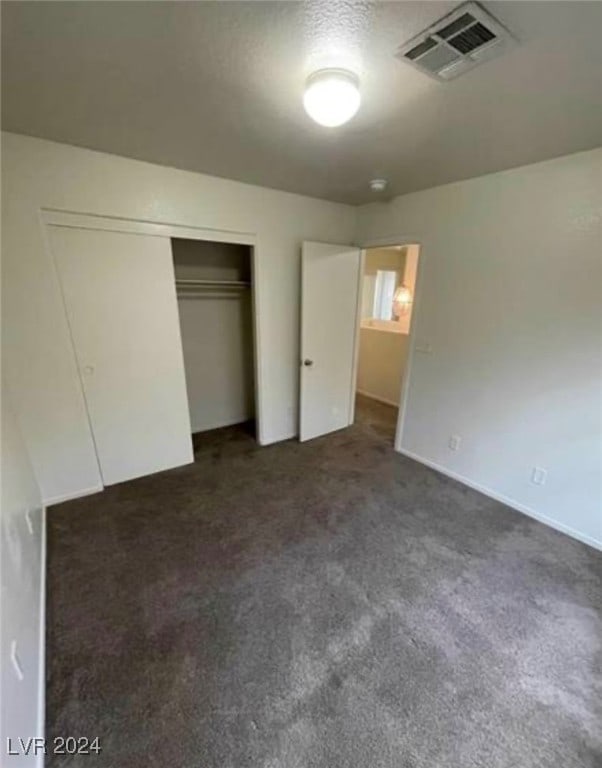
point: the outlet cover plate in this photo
(539, 476)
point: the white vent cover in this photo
(456, 43)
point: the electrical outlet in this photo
(454, 442)
(15, 660)
(539, 476)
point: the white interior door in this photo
(120, 298)
(330, 283)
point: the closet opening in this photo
(215, 305)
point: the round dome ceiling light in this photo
(332, 96)
(378, 185)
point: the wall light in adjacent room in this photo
(402, 300)
(332, 96)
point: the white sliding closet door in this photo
(120, 298)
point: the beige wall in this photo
(382, 357)
(384, 258)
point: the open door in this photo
(330, 281)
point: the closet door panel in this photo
(122, 309)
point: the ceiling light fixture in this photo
(332, 96)
(378, 185)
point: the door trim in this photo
(388, 242)
(60, 218)
(81, 220)
(356, 342)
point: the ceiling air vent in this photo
(456, 43)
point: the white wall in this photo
(381, 360)
(22, 556)
(217, 341)
(509, 302)
(510, 297)
(39, 357)
(217, 334)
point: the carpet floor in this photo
(330, 604)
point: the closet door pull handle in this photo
(308, 362)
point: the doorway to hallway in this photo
(388, 285)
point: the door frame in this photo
(389, 242)
(356, 341)
(60, 218)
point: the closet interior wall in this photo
(213, 283)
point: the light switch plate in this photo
(425, 348)
(539, 476)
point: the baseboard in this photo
(74, 495)
(42, 638)
(550, 522)
(377, 397)
(222, 424)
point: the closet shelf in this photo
(212, 285)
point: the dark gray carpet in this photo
(320, 605)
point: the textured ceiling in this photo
(216, 87)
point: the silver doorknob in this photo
(308, 362)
